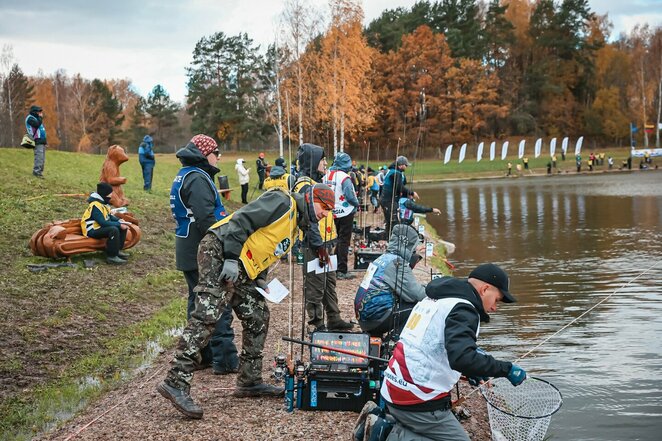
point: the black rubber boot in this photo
(259, 390)
(181, 399)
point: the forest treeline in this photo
(438, 73)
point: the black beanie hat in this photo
(104, 189)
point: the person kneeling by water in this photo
(234, 258)
(388, 280)
(436, 347)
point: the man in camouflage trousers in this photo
(233, 260)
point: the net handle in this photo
(528, 417)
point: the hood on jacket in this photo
(342, 162)
(240, 162)
(277, 171)
(403, 241)
(190, 156)
(309, 157)
(147, 139)
(446, 287)
(95, 197)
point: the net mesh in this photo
(520, 413)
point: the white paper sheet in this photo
(314, 265)
(277, 291)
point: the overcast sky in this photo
(151, 41)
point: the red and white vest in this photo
(419, 370)
(334, 179)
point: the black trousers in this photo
(344, 228)
(244, 193)
(115, 238)
(261, 175)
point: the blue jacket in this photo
(145, 151)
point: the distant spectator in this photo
(261, 165)
(34, 125)
(147, 162)
(510, 169)
(610, 162)
(242, 174)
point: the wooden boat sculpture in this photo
(65, 238)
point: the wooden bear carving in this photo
(110, 173)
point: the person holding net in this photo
(436, 347)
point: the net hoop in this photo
(485, 391)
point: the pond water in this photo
(568, 242)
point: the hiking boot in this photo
(339, 325)
(218, 370)
(123, 255)
(38, 175)
(115, 260)
(181, 399)
(359, 426)
(259, 390)
(344, 276)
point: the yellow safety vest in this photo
(267, 244)
(327, 226)
(87, 223)
(281, 182)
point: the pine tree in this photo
(162, 113)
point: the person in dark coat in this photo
(196, 206)
(261, 168)
(34, 125)
(147, 162)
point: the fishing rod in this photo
(340, 351)
(290, 312)
(566, 326)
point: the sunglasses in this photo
(216, 153)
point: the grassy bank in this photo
(70, 333)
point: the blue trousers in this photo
(148, 168)
(221, 350)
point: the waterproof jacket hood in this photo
(148, 139)
(342, 162)
(309, 157)
(277, 171)
(403, 241)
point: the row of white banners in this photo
(522, 144)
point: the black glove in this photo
(477, 380)
(323, 255)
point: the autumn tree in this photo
(16, 95)
(45, 97)
(345, 100)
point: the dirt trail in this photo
(137, 411)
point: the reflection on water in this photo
(569, 242)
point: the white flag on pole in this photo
(479, 155)
(504, 150)
(463, 151)
(492, 150)
(522, 143)
(578, 146)
(564, 145)
(447, 156)
(538, 148)
(552, 147)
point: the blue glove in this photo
(230, 271)
(516, 375)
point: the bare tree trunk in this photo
(659, 107)
(643, 101)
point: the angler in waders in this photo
(234, 258)
(395, 187)
(319, 289)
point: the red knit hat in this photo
(323, 194)
(205, 144)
